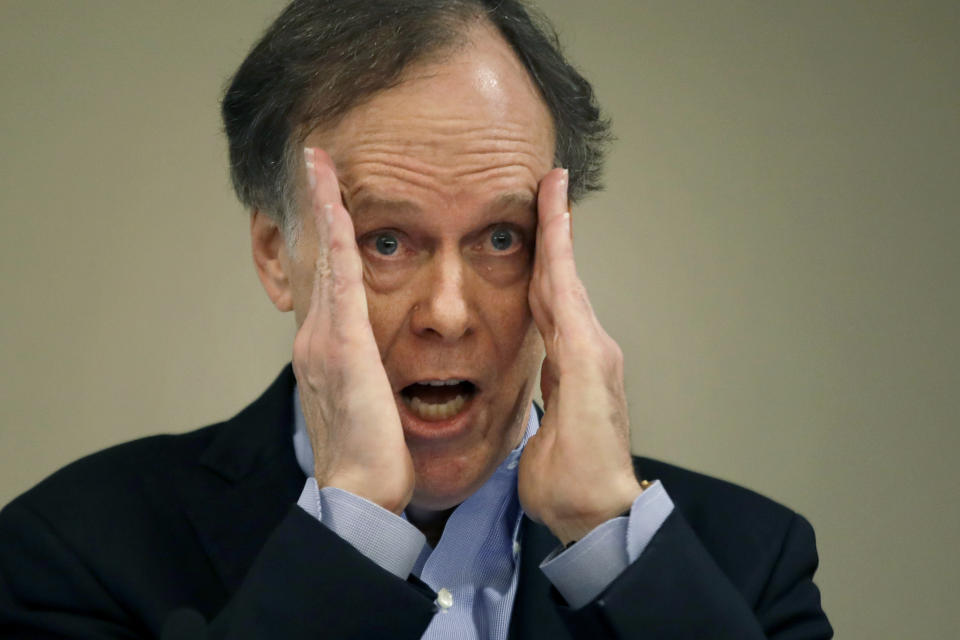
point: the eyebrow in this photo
(367, 203)
(523, 200)
(514, 200)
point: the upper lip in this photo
(427, 379)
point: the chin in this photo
(443, 485)
(451, 464)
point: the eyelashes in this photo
(498, 240)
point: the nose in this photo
(443, 311)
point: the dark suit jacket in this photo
(199, 533)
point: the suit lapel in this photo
(534, 612)
(248, 476)
(245, 482)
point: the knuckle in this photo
(614, 352)
(324, 273)
(575, 294)
(579, 352)
(313, 354)
(338, 285)
(351, 339)
(341, 245)
(301, 344)
(345, 278)
(334, 246)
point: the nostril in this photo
(448, 320)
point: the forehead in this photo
(466, 127)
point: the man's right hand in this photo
(350, 411)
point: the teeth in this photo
(436, 411)
(441, 383)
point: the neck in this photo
(429, 522)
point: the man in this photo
(400, 161)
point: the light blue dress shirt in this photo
(474, 567)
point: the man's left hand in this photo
(576, 472)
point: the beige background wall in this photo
(777, 254)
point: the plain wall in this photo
(776, 253)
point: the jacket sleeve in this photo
(308, 583)
(675, 589)
(46, 591)
(305, 583)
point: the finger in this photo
(554, 227)
(551, 203)
(552, 197)
(566, 320)
(347, 297)
(555, 283)
(325, 187)
(316, 177)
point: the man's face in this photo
(440, 177)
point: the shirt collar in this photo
(304, 450)
(499, 489)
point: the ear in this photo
(271, 259)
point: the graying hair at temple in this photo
(321, 58)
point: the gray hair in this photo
(321, 58)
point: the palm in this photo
(576, 472)
(347, 400)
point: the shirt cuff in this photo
(583, 571)
(384, 537)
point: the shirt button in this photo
(516, 548)
(444, 599)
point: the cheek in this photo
(504, 272)
(387, 312)
(388, 276)
(384, 277)
(502, 284)
(506, 315)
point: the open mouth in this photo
(435, 400)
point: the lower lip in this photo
(416, 428)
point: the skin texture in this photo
(459, 151)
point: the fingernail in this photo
(309, 161)
(328, 214)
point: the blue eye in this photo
(387, 244)
(501, 239)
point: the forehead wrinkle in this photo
(371, 173)
(437, 175)
(369, 202)
(485, 170)
(414, 144)
(438, 164)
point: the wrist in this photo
(613, 504)
(360, 485)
